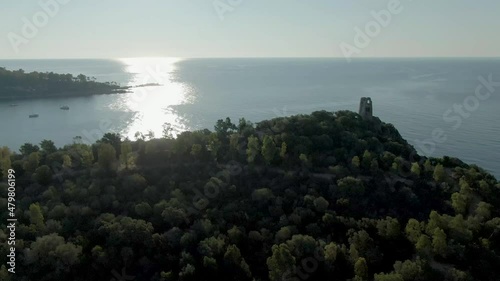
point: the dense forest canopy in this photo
(18, 84)
(325, 196)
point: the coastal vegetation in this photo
(324, 196)
(19, 84)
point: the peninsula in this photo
(20, 85)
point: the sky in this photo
(248, 28)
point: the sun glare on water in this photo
(153, 93)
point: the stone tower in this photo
(366, 108)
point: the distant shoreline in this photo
(19, 85)
(121, 90)
(63, 95)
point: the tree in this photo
(302, 246)
(281, 263)
(283, 150)
(395, 167)
(214, 144)
(321, 204)
(465, 189)
(32, 163)
(268, 149)
(330, 252)
(439, 174)
(167, 131)
(245, 128)
(435, 221)
(283, 234)
(423, 245)
(48, 146)
(303, 159)
(43, 175)
(36, 216)
(388, 228)
(355, 161)
(151, 147)
(413, 230)
(459, 229)
(439, 242)
(5, 163)
(351, 187)
(51, 251)
(388, 158)
(362, 245)
(374, 167)
(106, 156)
(234, 140)
(366, 159)
(361, 269)
(174, 216)
(66, 161)
(126, 149)
(236, 264)
(114, 139)
(150, 134)
(454, 274)
(415, 169)
(187, 271)
(4, 274)
(84, 154)
(82, 78)
(212, 246)
(410, 270)
(459, 203)
(28, 148)
(428, 166)
(262, 194)
(210, 262)
(253, 149)
(235, 235)
(224, 127)
(483, 211)
(484, 188)
(196, 149)
(143, 209)
(388, 277)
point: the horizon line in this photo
(258, 57)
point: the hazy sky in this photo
(248, 28)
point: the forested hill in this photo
(325, 196)
(18, 84)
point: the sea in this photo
(442, 106)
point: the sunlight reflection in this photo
(152, 94)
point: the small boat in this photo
(33, 115)
(65, 107)
(12, 105)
